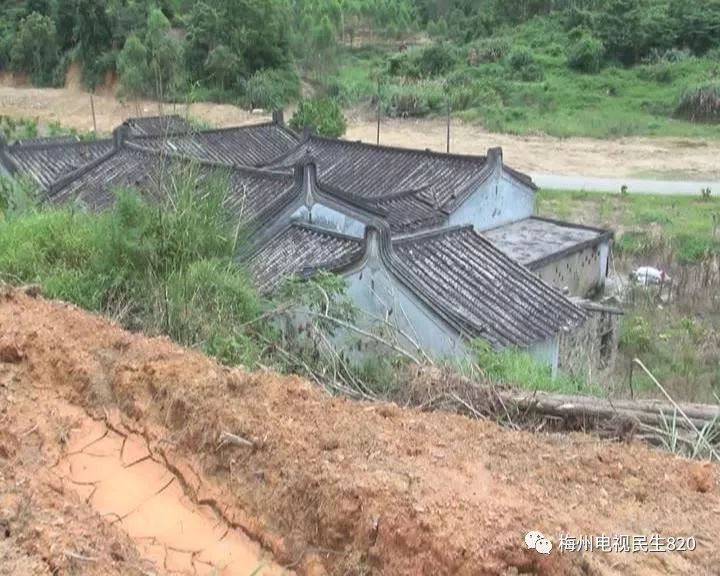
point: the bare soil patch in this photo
(626, 157)
(326, 485)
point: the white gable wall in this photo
(379, 295)
(497, 201)
(329, 218)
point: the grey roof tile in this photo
(298, 250)
(46, 162)
(535, 240)
(158, 125)
(479, 290)
(252, 145)
(251, 195)
(442, 180)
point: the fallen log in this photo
(435, 389)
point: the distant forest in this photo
(255, 52)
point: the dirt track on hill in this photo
(661, 158)
(319, 485)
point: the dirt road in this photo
(223, 468)
(659, 158)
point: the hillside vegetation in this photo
(602, 68)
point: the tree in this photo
(93, 31)
(34, 49)
(203, 34)
(65, 16)
(255, 32)
(132, 65)
(618, 26)
(224, 66)
(163, 53)
(323, 117)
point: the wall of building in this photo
(379, 295)
(590, 349)
(583, 272)
(327, 217)
(499, 200)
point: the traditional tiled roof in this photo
(405, 212)
(535, 241)
(252, 145)
(45, 140)
(251, 194)
(157, 125)
(480, 291)
(48, 161)
(301, 249)
(442, 180)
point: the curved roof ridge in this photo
(430, 234)
(250, 170)
(59, 144)
(325, 231)
(392, 148)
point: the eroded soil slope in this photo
(317, 485)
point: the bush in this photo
(661, 73)
(524, 67)
(323, 117)
(521, 58)
(414, 99)
(491, 49)
(700, 104)
(434, 60)
(159, 268)
(272, 89)
(586, 54)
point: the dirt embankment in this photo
(323, 485)
(663, 158)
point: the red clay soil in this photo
(328, 486)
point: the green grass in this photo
(645, 224)
(519, 368)
(679, 341)
(615, 102)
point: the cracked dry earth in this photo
(84, 495)
(116, 473)
(110, 464)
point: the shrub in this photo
(524, 67)
(323, 117)
(436, 59)
(414, 99)
(700, 104)
(491, 49)
(586, 54)
(521, 58)
(661, 73)
(272, 88)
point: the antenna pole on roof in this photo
(379, 107)
(378, 124)
(92, 108)
(447, 150)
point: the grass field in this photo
(685, 228)
(676, 333)
(525, 86)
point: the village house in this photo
(446, 245)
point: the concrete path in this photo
(591, 184)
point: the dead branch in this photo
(234, 439)
(367, 334)
(79, 557)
